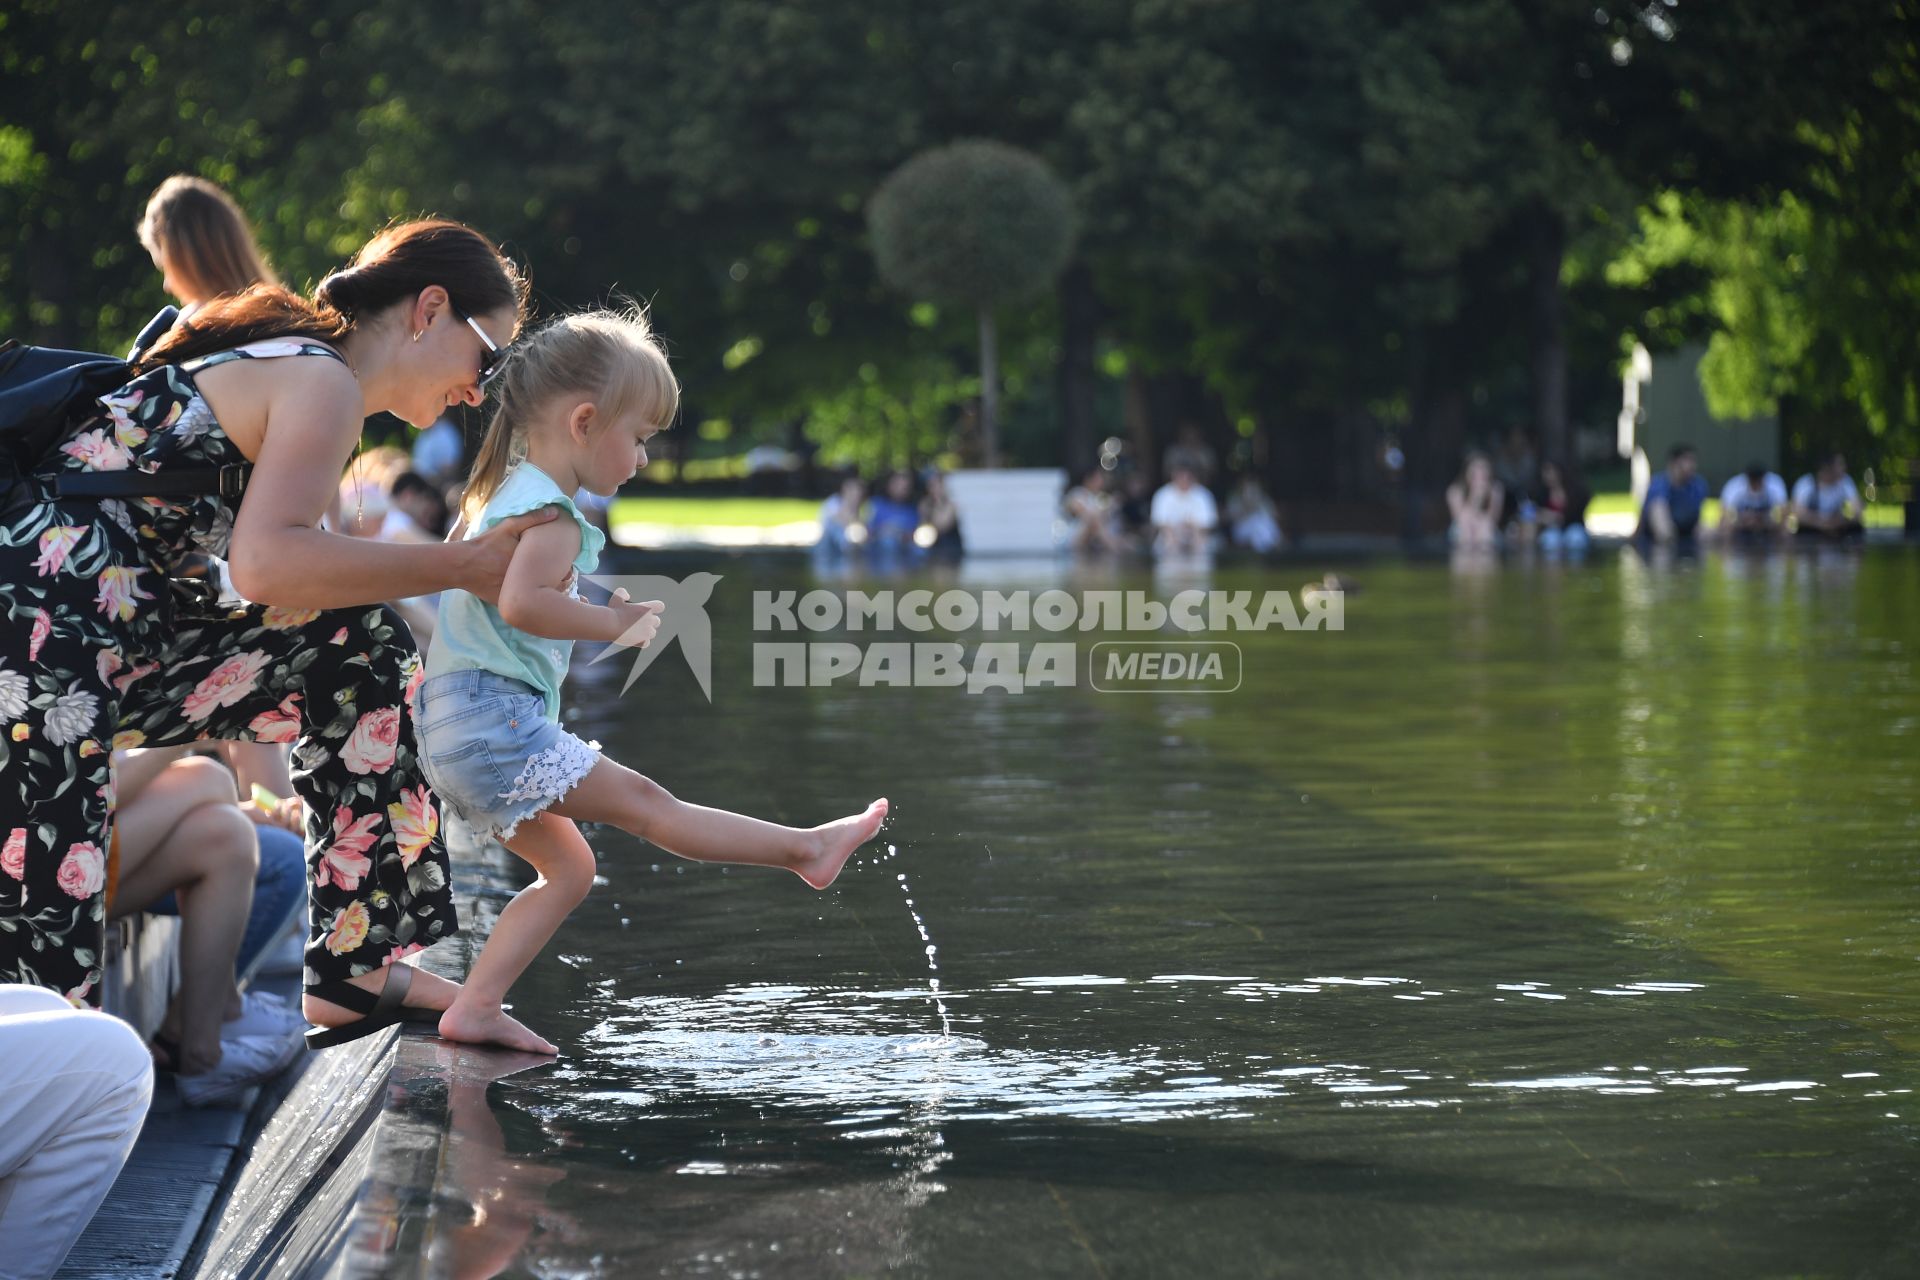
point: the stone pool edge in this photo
(343, 1179)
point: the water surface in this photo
(1547, 920)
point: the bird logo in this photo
(684, 618)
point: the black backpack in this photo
(46, 392)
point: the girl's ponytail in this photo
(609, 357)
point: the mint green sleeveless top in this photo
(471, 635)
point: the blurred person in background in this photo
(1253, 517)
(841, 532)
(1184, 515)
(1753, 506)
(1091, 515)
(939, 514)
(1825, 502)
(201, 243)
(1474, 503)
(1560, 508)
(1671, 510)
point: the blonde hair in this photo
(204, 238)
(610, 357)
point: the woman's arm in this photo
(313, 418)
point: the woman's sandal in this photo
(377, 1012)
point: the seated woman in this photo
(841, 530)
(1092, 520)
(938, 512)
(1474, 502)
(1252, 516)
(181, 835)
(894, 518)
(1560, 508)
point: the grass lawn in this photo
(740, 513)
(766, 513)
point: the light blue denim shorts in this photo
(490, 752)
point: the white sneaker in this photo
(263, 1013)
(244, 1062)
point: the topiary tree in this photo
(976, 223)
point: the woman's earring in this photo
(416, 335)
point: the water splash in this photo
(933, 953)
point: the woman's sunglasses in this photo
(495, 357)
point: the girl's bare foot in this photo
(835, 842)
(429, 991)
(490, 1026)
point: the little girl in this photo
(577, 403)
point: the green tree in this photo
(978, 223)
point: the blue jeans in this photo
(279, 893)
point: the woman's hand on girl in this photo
(491, 552)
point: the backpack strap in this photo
(230, 482)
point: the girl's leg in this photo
(184, 833)
(616, 794)
(557, 850)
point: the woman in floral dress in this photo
(100, 648)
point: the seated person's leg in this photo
(279, 892)
(184, 834)
(74, 1088)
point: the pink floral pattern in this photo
(107, 650)
(415, 823)
(83, 872)
(228, 683)
(119, 592)
(345, 863)
(370, 748)
(97, 450)
(282, 724)
(55, 545)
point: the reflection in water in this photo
(492, 1199)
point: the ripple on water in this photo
(858, 1057)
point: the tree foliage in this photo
(975, 222)
(1329, 219)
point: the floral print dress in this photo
(101, 648)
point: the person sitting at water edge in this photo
(1474, 503)
(841, 532)
(1560, 510)
(185, 846)
(578, 402)
(1671, 509)
(1184, 515)
(1091, 518)
(1826, 503)
(1753, 506)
